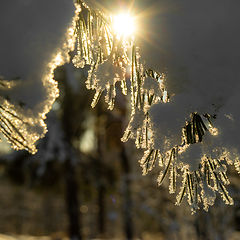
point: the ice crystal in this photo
(21, 128)
(143, 96)
(99, 47)
(78, 61)
(237, 164)
(149, 160)
(203, 172)
(139, 129)
(201, 185)
(104, 77)
(94, 38)
(168, 163)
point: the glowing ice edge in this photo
(22, 128)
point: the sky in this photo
(31, 32)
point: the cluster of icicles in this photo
(197, 179)
(110, 58)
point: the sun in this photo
(124, 25)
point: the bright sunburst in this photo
(124, 25)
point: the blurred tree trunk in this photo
(72, 201)
(71, 119)
(48, 208)
(127, 199)
(100, 176)
(201, 226)
(102, 210)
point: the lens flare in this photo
(123, 25)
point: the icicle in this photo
(172, 178)
(124, 87)
(148, 160)
(189, 189)
(182, 192)
(96, 98)
(202, 176)
(224, 194)
(171, 158)
(110, 96)
(127, 135)
(237, 165)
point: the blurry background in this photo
(86, 184)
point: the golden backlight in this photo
(124, 25)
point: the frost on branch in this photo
(178, 132)
(21, 128)
(29, 56)
(146, 89)
(191, 136)
(99, 47)
(200, 166)
(105, 76)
